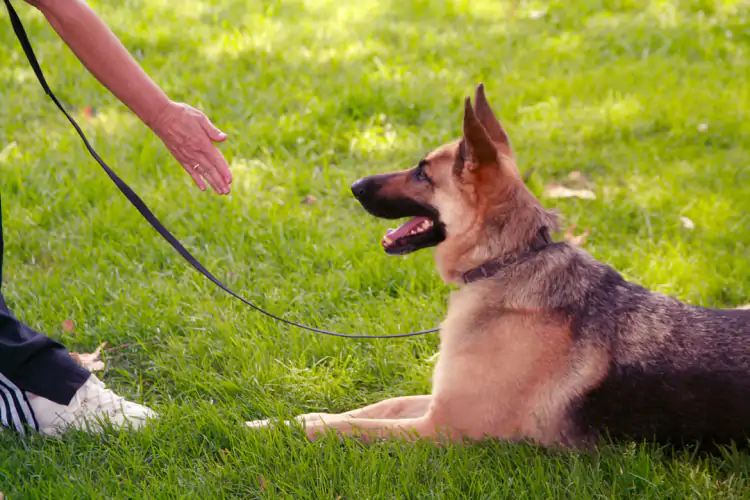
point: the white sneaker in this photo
(91, 406)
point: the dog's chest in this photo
(498, 367)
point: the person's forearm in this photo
(104, 56)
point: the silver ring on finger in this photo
(197, 167)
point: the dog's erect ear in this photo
(490, 122)
(479, 149)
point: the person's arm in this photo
(186, 132)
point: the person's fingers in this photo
(211, 174)
(218, 161)
(214, 133)
(190, 137)
(195, 176)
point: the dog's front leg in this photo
(369, 428)
(401, 407)
(395, 408)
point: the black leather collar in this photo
(489, 269)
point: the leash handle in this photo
(136, 201)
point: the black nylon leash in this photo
(136, 201)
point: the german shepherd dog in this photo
(542, 342)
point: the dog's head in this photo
(466, 197)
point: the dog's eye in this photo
(420, 172)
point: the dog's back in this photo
(677, 373)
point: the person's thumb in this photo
(214, 133)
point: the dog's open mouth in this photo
(415, 234)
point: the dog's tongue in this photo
(404, 229)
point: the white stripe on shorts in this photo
(15, 411)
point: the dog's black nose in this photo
(359, 188)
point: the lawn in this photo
(646, 100)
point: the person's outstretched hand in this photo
(189, 135)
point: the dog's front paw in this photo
(327, 424)
(268, 422)
(315, 421)
(313, 417)
(255, 424)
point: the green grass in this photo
(648, 99)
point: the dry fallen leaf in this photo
(687, 223)
(90, 360)
(560, 191)
(576, 240)
(537, 14)
(309, 200)
(577, 177)
(89, 112)
(262, 483)
(68, 325)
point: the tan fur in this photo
(514, 368)
(507, 370)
